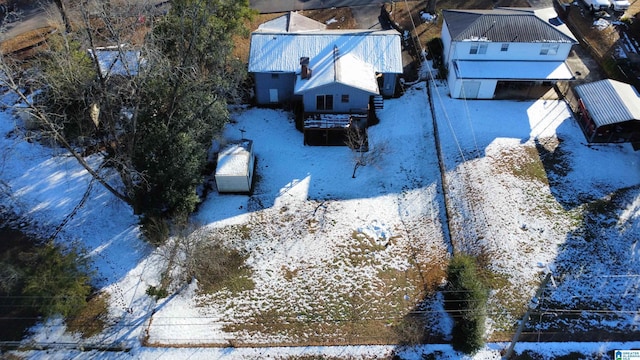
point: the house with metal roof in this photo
(337, 78)
(609, 111)
(488, 51)
(332, 61)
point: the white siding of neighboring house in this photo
(516, 51)
(446, 43)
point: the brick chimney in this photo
(305, 72)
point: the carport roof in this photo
(610, 101)
(513, 70)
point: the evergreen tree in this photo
(466, 300)
(186, 102)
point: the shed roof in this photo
(507, 25)
(116, 60)
(281, 51)
(336, 68)
(610, 101)
(234, 159)
(513, 70)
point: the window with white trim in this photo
(549, 49)
(477, 48)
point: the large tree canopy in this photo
(186, 102)
(155, 123)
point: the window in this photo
(478, 48)
(345, 98)
(275, 75)
(549, 49)
(324, 102)
(505, 47)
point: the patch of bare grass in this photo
(217, 267)
(91, 320)
(523, 162)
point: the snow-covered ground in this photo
(523, 216)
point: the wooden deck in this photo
(330, 129)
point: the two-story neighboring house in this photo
(489, 50)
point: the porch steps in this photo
(378, 102)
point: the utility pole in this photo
(509, 353)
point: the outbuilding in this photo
(234, 171)
(609, 111)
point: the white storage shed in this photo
(234, 172)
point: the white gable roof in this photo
(335, 68)
(281, 52)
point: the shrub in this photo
(57, 281)
(466, 299)
(155, 229)
(157, 292)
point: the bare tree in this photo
(363, 154)
(46, 120)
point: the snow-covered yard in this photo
(328, 253)
(530, 196)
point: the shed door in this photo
(470, 89)
(273, 95)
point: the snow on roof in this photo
(234, 159)
(344, 69)
(291, 22)
(281, 52)
(507, 25)
(115, 60)
(511, 70)
(610, 101)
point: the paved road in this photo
(271, 6)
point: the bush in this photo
(466, 299)
(56, 281)
(155, 229)
(157, 292)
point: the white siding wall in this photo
(516, 51)
(470, 89)
(446, 42)
(358, 99)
